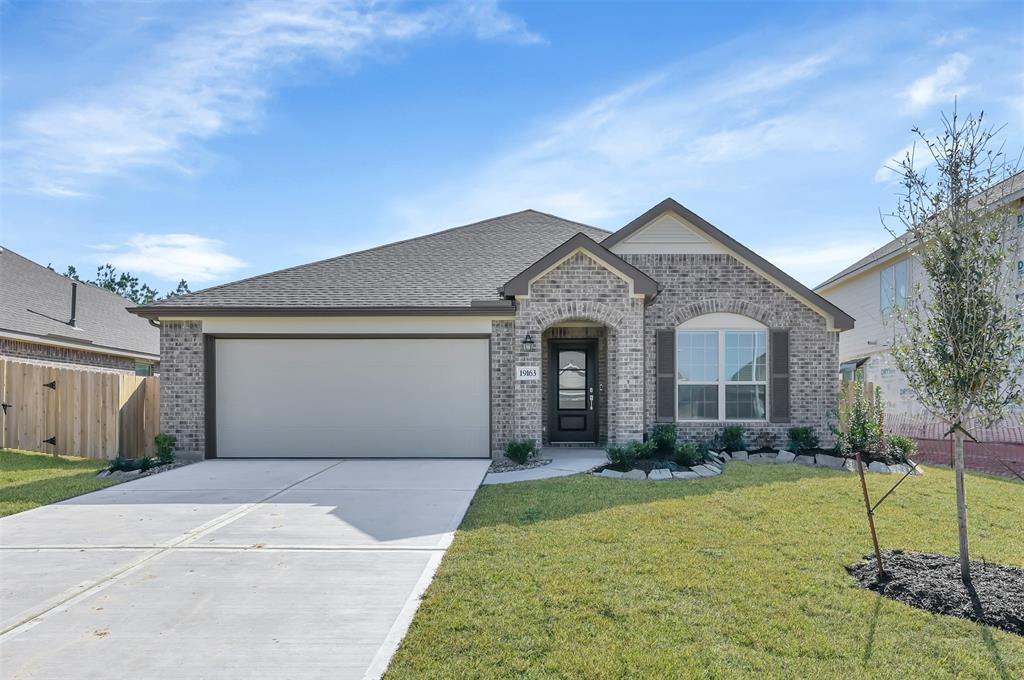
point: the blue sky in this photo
(216, 141)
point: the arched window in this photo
(721, 368)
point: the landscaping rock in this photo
(706, 470)
(804, 460)
(660, 473)
(761, 458)
(850, 465)
(613, 474)
(739, 455)
(724, 456)
(875, 466)
(685, 474)
(899, 469)
(785, 457)
(834, 462)
(635, 474)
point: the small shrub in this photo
(145, 463)
(901, 448)
(643, 449)
(687, 454)
(622, 456)
(732, 438)
(664, 437)
(802, 439)
(165, 444)
(864, 429)
(521, 450)
(117, 464)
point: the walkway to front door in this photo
(229, 569)
(572, 395)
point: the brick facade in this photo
(61, 356)
(182, 397)
(693, 285)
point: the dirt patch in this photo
(994, 597)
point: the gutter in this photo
(476, 308)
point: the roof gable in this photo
(640, 283)
(667, 233)
(839, 319)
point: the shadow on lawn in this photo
(50, 490)
(16, 461)
(525, 503)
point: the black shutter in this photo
(778, 367)
(666, 376)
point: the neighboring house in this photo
(871, 289)
(526, 326)
(49, 318)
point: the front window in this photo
(143, 369)
(894, 285)
(721, 374)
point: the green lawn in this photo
(737, 576)
(28, 480)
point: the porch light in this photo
(528, 342)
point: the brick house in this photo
(48, 318)
(525, 326)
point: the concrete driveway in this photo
(229, 569)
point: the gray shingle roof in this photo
(447, 269)
(1010, 189)
(35, 301)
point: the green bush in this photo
(664, 437)
(165, 444)
(622, 456)
(732, 438)
(901, 448)
(130, 464)
(687, 454)
(521, 450)
(864, 427)
(802, 439)
(643, 449)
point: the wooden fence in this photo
(78, 412)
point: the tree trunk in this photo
(961, 508)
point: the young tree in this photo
(961, 344)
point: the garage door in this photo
(378, 397)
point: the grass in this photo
(736, 576)
(28, 480)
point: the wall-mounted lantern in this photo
(528, 342)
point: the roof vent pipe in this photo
(74, 303)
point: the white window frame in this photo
(896, 302)
(722, 324)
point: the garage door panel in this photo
(390, 397)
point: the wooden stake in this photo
(961, 507)
(871, 516)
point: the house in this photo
(871, 289)
(525, 326)
(49, 318)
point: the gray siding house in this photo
(48, 318)
(525, 326)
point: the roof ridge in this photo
(179, 298)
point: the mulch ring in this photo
(995, 596)
(511, 466)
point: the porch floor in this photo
(564, 461)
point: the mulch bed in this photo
(512, 466)
(932, 582)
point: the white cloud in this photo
(940, 86)
(812, 263)
(212, 79)
(947, 38)
(171, 257)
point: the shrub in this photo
(664, 437)
(622, 456)
(864, 424)
(130, 464)
(521, 450)
(732, 438)
(165, 444)
(901, 448)
(642, 449)
(117, 464)
(687, 455)
(802, 439)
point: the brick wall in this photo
(502, 396)
(182, 399)
(693, 285)
(48, 354)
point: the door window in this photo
(572, 379)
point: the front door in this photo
(571, 395)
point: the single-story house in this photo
(48, 318)
(525, 326)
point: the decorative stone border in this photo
(718, 459)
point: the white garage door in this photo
(379, 397)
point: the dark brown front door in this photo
(571, 393)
